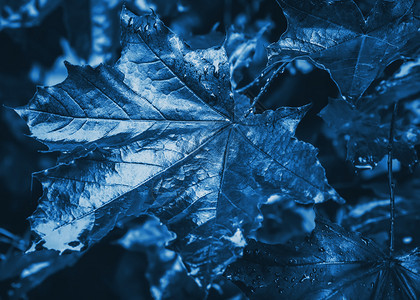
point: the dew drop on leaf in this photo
(407, 240)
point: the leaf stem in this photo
(264, 89)
(391, 183)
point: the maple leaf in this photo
(158, 134)
(336, 36)
(366, 125)
(330, 264)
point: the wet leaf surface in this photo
(331, 264)
(353, 47)
(159, 134)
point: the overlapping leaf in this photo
(366, 126)
(158, 134)
(335, 34)
(166, 273)
(331, 264)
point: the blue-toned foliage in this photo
(353, 47)
(165, 176)
(330, 264)
(159, 134)
(366, 126)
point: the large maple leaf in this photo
(159, 133)
(335, 34)
(330, 264)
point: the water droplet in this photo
(321, 249)
(372, 284)
(364, 167)
(281, 291)
(293, 279)
(407, 240)
(285, 278)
